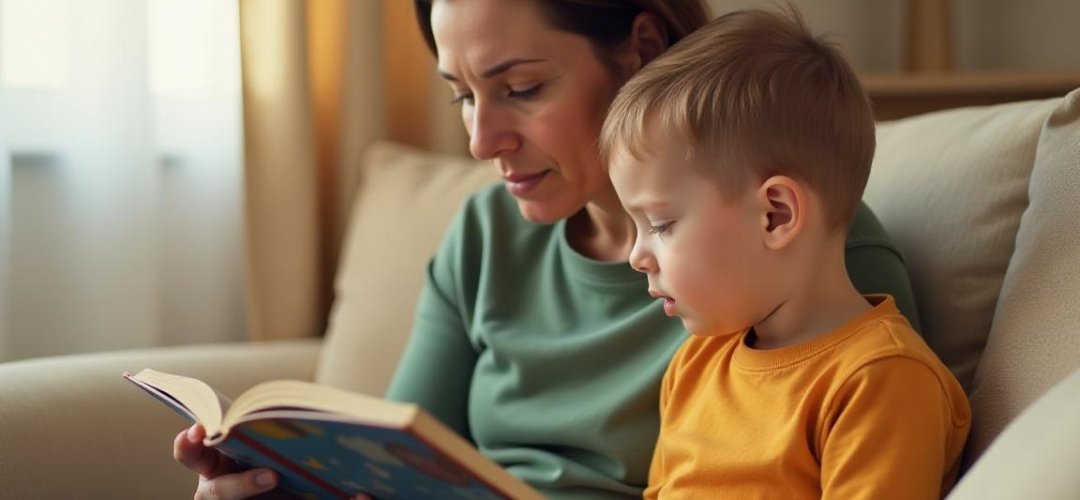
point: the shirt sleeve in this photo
(436, 368)
(876, 266)
(894, 430)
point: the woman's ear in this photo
(783, 209)
(647, 40)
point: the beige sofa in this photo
(984, 203)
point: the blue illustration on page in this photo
(332, 460)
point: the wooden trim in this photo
(900, 95)
(969, 83)
(929, 34)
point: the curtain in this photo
(322, 80)
(120, 192)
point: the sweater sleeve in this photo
(436, 368)
(894, 429)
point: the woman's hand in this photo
(219, 477)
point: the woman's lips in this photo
(522, 184)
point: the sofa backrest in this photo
(404, 202)
(950, 188)
(983, 204)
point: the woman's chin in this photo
(543, 213)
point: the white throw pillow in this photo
(403, 206)
(950, 188)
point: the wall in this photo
(987, 34)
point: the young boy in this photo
(741, 155)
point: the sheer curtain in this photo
(322, 80)
(120, 175)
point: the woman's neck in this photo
(602, 230)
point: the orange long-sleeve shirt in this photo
(866, 411)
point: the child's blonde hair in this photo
(756, 95)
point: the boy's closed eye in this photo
(662, 229)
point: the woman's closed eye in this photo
(526, 93)
(523, 94)
(464, 97)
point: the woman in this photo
(533, 336)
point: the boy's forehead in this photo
(641, 173)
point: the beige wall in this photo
(867, 31)
(987, 34)
(1030, 34)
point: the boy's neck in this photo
(818, 302)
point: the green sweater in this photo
(550, 362)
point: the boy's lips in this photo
(669, 306)
(669, 303)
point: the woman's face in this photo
(533, 100)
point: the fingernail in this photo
(265, 479)
(191, 434)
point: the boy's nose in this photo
(641, 260)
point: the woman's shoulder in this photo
(491, 201)
(866, 230)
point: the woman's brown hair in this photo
(606, 23)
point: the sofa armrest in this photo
(71, 427)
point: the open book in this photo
(328, 443)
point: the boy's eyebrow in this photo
(495, 70)
(645, 205)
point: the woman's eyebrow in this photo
(495, 70)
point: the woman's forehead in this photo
(484, 33)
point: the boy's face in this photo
(703, 252)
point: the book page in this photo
(191, 397)
(294, 394)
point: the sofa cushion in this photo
(1035, 337)
(1036, 456)
(405, 201)
(950, 188)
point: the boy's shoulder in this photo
(888, 347)
(887, 336)
(890, 356)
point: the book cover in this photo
(327, 443)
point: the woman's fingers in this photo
(236, 485)
(190, 452)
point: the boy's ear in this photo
(647, 40)
(783, 204)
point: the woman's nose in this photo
(491, 132)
